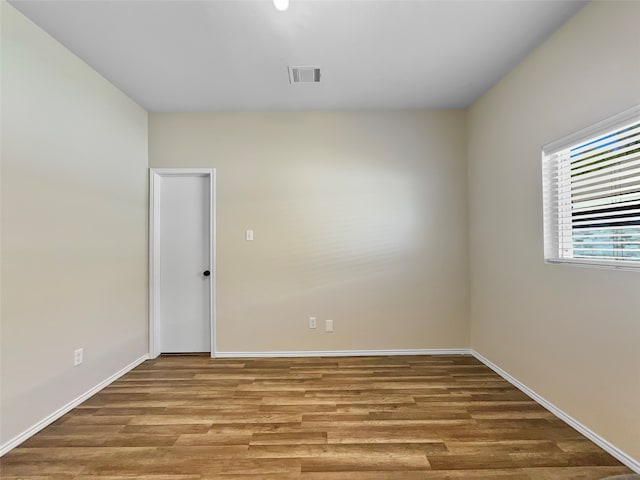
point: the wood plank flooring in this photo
(355, 418)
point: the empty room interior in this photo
(320, 239)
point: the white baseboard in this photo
(344, 353)
(623, 457)
(607, 446)
(29, 432)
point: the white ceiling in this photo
(231, 55)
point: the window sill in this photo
(629, 266)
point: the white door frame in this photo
(154, 250)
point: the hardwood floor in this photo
(355, 418)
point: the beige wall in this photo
(358, 217)
(572, 334)
(74, 265)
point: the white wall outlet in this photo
(328, 325)
(249, 235)
(312, 322)
(77, 356)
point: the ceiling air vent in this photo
(304, 74)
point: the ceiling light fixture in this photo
(281, 5)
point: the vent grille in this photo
(304, 74)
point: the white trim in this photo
(344, 353)
(154, 273)
(48, 420)
(614, 451)
(184, 172)
(607, 446)
(154, 250)
(558, 197)
(212, 260)
(606, 264)
(610, 123)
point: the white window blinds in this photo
(592, 194)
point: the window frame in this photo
(551, 234)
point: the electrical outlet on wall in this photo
(328, 325)
(77, 356)
(312, 322)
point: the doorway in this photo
(182, 261)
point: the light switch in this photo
(249, 235)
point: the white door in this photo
(183, 262)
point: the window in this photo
(591, 187)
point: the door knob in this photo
(206, 273)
